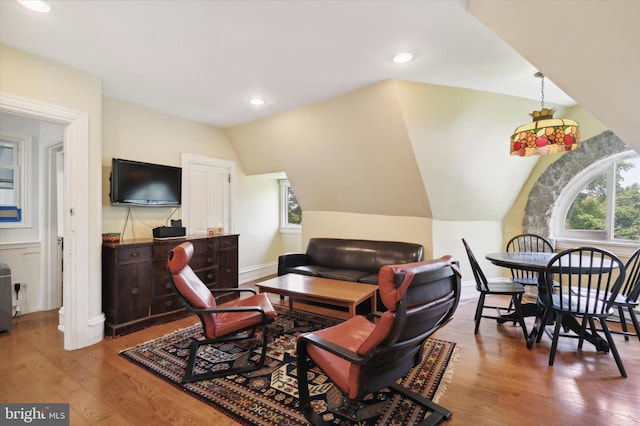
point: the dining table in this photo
(537, 262)
(527, 261)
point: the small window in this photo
(290, 211)
(14, 150)
(608, 205)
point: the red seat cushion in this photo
(229, 322)
(356, 334)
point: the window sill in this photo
(291, 230)
(619, 248)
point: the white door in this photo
(208, 186)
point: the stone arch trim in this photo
(547, 189)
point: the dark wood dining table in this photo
(536, 262)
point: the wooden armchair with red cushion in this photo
(363, 355)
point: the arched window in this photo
(602, 203)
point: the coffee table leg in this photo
(290, 303)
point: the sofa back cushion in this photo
(362, 255)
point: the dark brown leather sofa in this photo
(347, 259)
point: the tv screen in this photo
(135, 183)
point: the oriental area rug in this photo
(270, 396)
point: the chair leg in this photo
(190, 376)
(612, 347)
(548, 314)
(623, 322)
(304, 364)
(556, 335)
(583, 329)
(479, 309)
(517, 302)
(634, 319)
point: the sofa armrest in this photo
(289, 260)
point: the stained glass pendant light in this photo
(545, 135)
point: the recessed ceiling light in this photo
(403, 57)
(256, 101)
(36, 5)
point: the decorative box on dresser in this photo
(136, 292)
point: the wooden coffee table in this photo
(323, 290)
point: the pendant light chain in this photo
(539, 74)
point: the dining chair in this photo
(495, 287)
(366, 354)
(238, 320)
(527, 243)
(589, 280)
(628, 297)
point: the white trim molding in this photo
(77, 233)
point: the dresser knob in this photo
(135, 290)
(134, 254)
(168, 303)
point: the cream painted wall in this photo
(349, 154)
(482, 236)
(461, 142)
(41, 80)
(361, 226)
(137, 133)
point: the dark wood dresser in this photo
(136, 292)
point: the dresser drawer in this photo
(228, 242)
(162, 287)
(163, 304)
(128, 254)
(161, 250)
(208, 276)
(204, 260)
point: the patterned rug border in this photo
(191, 390)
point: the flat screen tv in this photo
(134, 183)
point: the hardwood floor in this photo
(497, 381)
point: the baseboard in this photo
(256, 272)
(468, 290)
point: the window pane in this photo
(6, 178)
(294, 213)
(627, 206)
(588, 210)
(6, 153)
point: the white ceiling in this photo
(204, 60)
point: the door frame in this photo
(76, 276)
(51, 267)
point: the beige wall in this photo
(38, 79)
(361, 162)
(137, 133)
(361, 226)
(347, 154)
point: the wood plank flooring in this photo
(497, 381)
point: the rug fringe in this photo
(447, 376)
